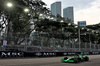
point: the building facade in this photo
(82, 23)
(56, 8)
(68, 13)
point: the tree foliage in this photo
(21, 21)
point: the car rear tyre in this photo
(86, 58)
(76, 60)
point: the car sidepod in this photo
(71, 59)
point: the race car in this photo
(76, 59)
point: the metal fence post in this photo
(90, 46)
(85, 46)
(94, 47)
(98, 48)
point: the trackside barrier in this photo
(6, 54)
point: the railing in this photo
(67, 48)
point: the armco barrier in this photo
(4, 54)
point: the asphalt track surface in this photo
(48, 61)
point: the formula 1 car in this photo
(76, 59)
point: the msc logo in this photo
(12, 54)
(38, 54)
(49, 54)
(64, 53)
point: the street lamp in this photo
(40, 15)
(26, 10)
(61, 21)
(9, 4)
(69, 24)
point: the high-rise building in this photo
(68, 14)
(56, 8)
(82, 23)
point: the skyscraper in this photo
(68, 14)
(56, 8)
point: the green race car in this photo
(76, 59)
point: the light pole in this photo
(90, 41)
(79, 27)
(79, 36)
(89, 38)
